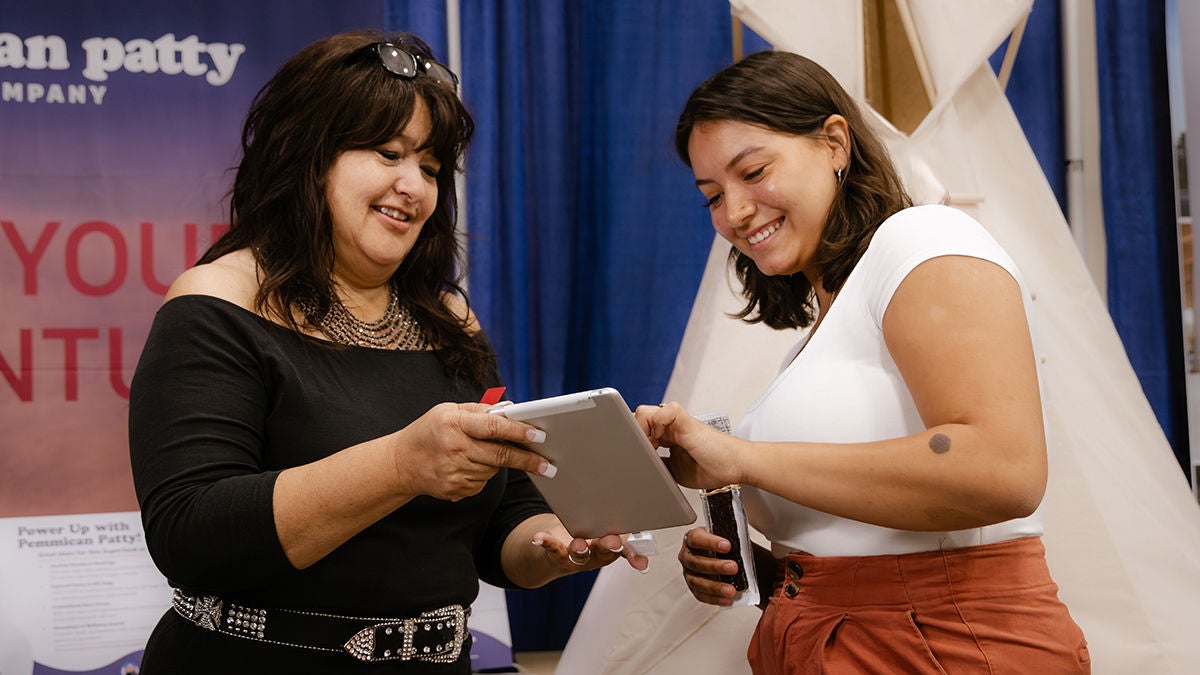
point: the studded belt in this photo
(435, 636)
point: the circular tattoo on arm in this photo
(939, 443)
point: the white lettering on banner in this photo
(35, 53)
(166, 55)
(33, 92)
(105, 55)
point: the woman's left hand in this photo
(572, 554)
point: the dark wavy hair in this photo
(785, 92)
(330, 97)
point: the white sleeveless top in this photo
(843, 387)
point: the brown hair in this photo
(330, 97)
(785, 92)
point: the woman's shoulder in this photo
(931, 228)
(232, 277)
(915, 235)
(457, 306)
(929, 217)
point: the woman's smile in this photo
(393, 213)
(765, 232)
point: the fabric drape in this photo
(425, 19)
(587, 237)
(1035, 91)
(1137, 178)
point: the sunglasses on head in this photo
(406, 64)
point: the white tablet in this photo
(610, 479)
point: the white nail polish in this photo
(536, 436)
(618, 549)
(547, 469)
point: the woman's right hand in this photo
(701, 457)
(701, 568)
(452, 450)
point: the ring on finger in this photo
(585, 556)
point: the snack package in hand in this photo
(726, 518)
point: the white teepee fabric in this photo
(1123, 532)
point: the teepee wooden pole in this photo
(1010, 54)
(914, 43)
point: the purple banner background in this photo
(104, 199)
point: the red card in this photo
(492, 396)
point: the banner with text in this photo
(118, 130)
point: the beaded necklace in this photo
(396, 329)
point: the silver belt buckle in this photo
(365, 644)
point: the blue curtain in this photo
(1035, 91)
(588, 239)
(1137, 178)
(424, 19)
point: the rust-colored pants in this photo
(984, 609)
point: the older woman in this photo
(312, 483)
